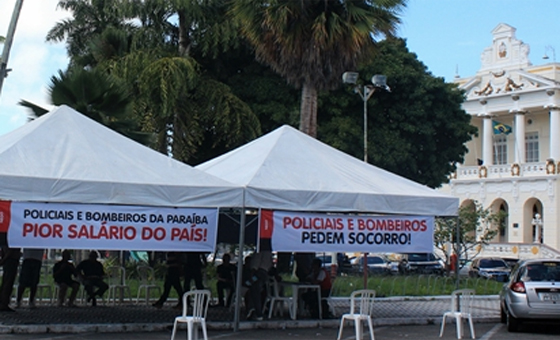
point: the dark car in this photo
(532, 293)
(490, 268)
(376, 264)
(421, 263)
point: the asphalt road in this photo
(484, 331)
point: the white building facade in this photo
(514, 163)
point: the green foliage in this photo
(269, 97)
(311, 43)
(417, 130)
(90, 18)
(413, 285)
(200, 91)
(98, 96)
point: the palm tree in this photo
(171, 95)
(98, 96)
(91, 17)
(203, 26)
(312, 42)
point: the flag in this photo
(500, 128)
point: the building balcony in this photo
(506, 171)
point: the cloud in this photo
(33, 60)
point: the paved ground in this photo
(484, 331)
(129, 317)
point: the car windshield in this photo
(421, 257)
(374, 260)
(492, 263)
(546, 271)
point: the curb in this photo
(251, 325)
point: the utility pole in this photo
(8, 43)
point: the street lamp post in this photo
(8, 43)
(552, 50)
(366, 91)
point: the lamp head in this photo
(380, 81)
(350, 77)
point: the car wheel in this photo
(512, 323)
(503, 315)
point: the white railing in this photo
(520, 250)
(499, 171)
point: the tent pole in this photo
(458, 253)
(239, 278)
(365, 270)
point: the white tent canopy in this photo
(289, 170)
(63, 156)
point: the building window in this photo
(532, 147)
(500, 149)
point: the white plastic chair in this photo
(116, 280)
(200, 300)
(461, 304)
(276, 299)
(147, 283)
(361, 306)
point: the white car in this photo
(532, 293)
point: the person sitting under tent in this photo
(91, 273)
(63, 271)
(321, 277)
(225, 280)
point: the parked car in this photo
(340, 259)
(465, 267)
(421, 263)
(532, 293)
(490, 268)
(377, 264)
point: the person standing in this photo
(172, 279)
(29, 275)
(91, 272)
(194, 264)
(63, 271)
(10, 263)
(225, 280)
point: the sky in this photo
(448, 36)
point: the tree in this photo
(273, 101)
(477, 227)
(90, 18)
(171, 95)
(311, 43)
(96, 95)
(418, 130)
